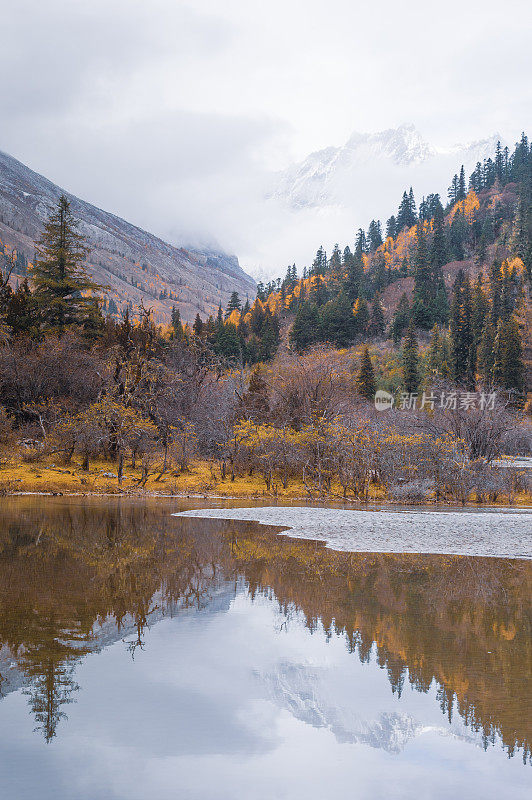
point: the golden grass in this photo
(203, 478)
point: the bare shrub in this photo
(413, 491)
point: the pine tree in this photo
(457, 236)
(366, 377)
(475, 180)
(401, 318)
(18, 311)
(355, 273)
(269, 338)
(234, 304)
(319, 291)
(374, 235)
(453, 190)
(461, 195)
(198, 325)
(499, 161)
(60, 278)
(439, 303)
(485, 353)
(438, 247)
(508, 367)
(406, 215)
(361, 243)
(177, 325)
(513, 365)
(462, 344)
(360, 316)
(423, 289)
(319, 266)
(434, 352)
(335, 269)
(337, 323)
(391, 227)
(377, 324)
(306, 328)
(479, 311)
(412, 207)
(227, 343)
(410, 361)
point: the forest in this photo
(430, 311)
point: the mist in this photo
(178, 116)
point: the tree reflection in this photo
(75, 577)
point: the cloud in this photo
(172, 113)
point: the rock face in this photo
(394, 158)
(135, 265)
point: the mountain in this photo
(371, 170)
(135, 265)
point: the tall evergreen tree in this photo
(366, 377)
(198, 326)
(361, 243)
(439, 302)
(462, 193)
(64, 292)
(269, 340)
(177, 325)
(306, 328)
(354, 268)
(337, 323)
(457, 236)
(479, 310)
(410, 361)
(462, 344)
(508, 367)
(485, 353)
(406, 215)
(453, 190)
(401, 318)
(234, 304)
(319, 266)
(391, 227)
(377, 324)
(423, 289)
(433, 359)
(374, 235)
(335, 269)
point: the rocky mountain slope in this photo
(135, 265)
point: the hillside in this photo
(135, 265)
(461, 265)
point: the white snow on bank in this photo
(496, 534)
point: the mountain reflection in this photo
(77, 576)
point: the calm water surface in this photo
(143, 655)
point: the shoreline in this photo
(498, 534)
(201, 481)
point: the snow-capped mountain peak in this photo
(402, 145)
(396, 157)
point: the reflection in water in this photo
(76, 577)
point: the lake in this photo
(148, 655)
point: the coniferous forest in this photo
(431, 307)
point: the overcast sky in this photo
(170, 112)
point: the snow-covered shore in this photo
(505, 534)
